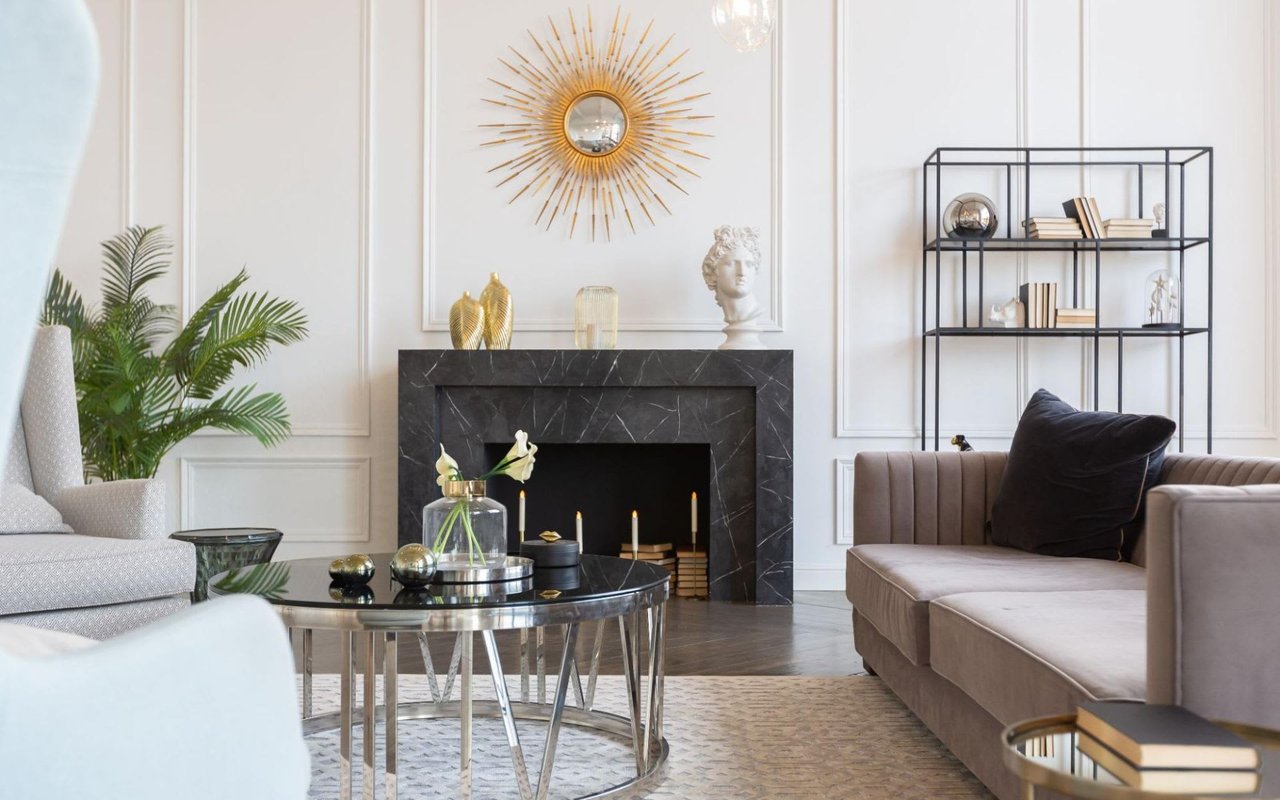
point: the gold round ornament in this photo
(352, 570)
(413, 566)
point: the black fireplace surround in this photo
(737, 402)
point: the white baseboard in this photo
(819, 578)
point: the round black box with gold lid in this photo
(549, 550)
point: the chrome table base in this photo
(641, 727)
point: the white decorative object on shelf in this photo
(1012, 314)
(744, 24)
(730, 270)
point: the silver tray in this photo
(513, 569)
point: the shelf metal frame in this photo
(1024, 161)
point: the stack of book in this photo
(1085, 211)
(653, 553)
(1053, 228)
(1041, 303)
(691, 573)
(1128, 228)
(1076, 318)
(1166, 749)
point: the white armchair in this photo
(200, 706)
(91, 559)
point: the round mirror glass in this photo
(595, 124)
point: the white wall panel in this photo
(277, 182)
(320, 499)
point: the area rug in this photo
(772, 738)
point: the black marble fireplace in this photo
(738, 404)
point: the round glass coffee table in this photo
(602, 591)
(1046, 753)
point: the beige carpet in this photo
(773, 738)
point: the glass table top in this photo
(306, 582)
(1053, 753)
(227, 535)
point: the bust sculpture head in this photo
(730, 270)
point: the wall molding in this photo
(436, 323)
(128, 110)
(359, 428)
(844, 501)
(190, 466)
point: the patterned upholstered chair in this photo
(87, 558)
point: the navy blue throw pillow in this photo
(1076, 481)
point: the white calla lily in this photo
(517, 464)
(446, 468)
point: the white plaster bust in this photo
(730, 270)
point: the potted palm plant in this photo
(143, 382)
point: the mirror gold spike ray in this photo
(603, 123)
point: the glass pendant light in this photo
(744, 24)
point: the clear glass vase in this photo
(465, 529)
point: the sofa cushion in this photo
(892, 584)
(40, 572)
(24, 511)
(1075, 481)
(1030, 654)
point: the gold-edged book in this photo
(1165, 736)
(647, 548)
(1180, 781)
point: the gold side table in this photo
(1044, 753)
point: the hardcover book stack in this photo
(1053, 228)
(1041, 303)
(1166, 749)
(653, 553)
(691, 573)
(1128, 228)
(1085, 211)
(1076, 317)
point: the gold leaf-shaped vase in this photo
(466, 323)
(499, 314)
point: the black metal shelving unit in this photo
(1018, 165)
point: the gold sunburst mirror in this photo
(602, 125)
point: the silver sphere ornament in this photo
(970, 216)
(413, 566)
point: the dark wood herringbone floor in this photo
(812, 637)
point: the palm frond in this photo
(241, 335)
(265, 580)
(180, 353)
(131, 260)
(263, 416)
(63, 305)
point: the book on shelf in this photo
(1040, 301)
(1095, 217)
(1076, 318)
(1128, 228)
(647, 548)
(1075, 209)
(1179, 781)
(1160, 736)
(1085, 211)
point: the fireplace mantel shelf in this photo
(738, 402)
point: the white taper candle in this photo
(635, 532)
(521, 526)
(579, 521)
(693, 519)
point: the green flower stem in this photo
(473, 545)
(459, 511)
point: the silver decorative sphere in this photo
(354, 569)
(413, 566)
(970, 216)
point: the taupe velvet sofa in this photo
(973, 637)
